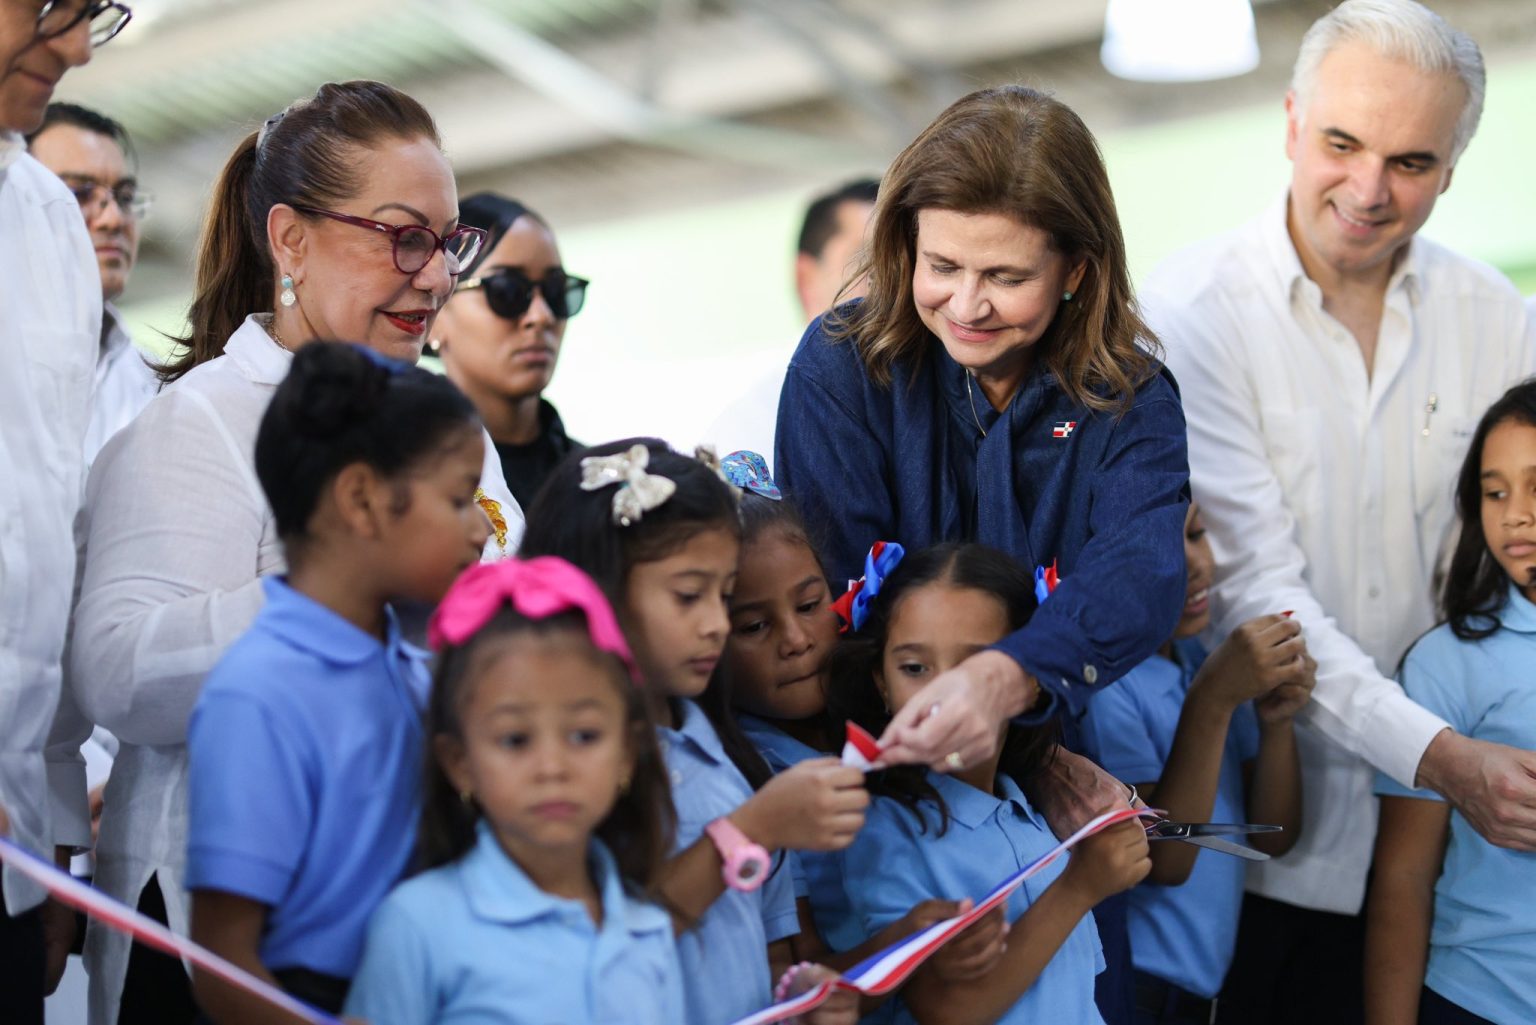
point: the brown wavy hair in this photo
(1015, 151)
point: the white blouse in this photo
(50, 326)
(177, 536)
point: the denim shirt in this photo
(1045, 480)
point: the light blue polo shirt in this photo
(818, 874)
(1182, 934)
(1482, 947)
(477, 943)
(893, 865)
(305, 750)
(725, 956)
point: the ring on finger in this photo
(954, 761)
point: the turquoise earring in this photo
(1066, 297)
(287, 298)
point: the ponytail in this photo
(234, 271)
(305, 156)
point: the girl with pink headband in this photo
(546, 820)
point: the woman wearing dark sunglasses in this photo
(500, 334)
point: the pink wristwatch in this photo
(746, 863)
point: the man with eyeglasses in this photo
(91, 153)
(49, 335)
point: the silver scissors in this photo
(1208, 834)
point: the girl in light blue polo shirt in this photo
(660, 533)
(771, 691)
(546, 822)
(1451, 921)
(305, 744)
(958, 834)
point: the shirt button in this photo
(677, 777)
(1374, 592)
(1090, 674)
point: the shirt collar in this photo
(1519, 615)
(775, 741)
(1406, 274)
(697, 730)
(12, 146)
(257, 353)
(305, 623)
(114, 337)
(972, 808)
(498, 890)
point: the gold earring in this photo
(467, 796)
(623, 785)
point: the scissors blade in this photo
(1224, 846)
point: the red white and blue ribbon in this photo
(70, 891)
(885, 971)
(853, 607)
(1046, 580)
(860, 749)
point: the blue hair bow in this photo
(853, 608)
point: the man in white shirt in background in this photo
(50, 331)
(93, 154)
(831, 235)
(1333, 366)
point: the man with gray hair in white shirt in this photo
(1333, 365)
(49, 329)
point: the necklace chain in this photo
(272, 330)
(968, 394)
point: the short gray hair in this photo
(1406, 31)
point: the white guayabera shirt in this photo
(1330, 493)
(50, 326)
(177, 535)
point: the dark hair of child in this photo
(578, 525)
(638, 830)
(854, 694)
(342, 404)
(760, 518)
(1476, 587)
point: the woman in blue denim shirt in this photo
(996, 384)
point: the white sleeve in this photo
(173, 551)
(1261, 568)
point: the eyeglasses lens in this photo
(510, 293)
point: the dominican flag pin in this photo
(1063, 428)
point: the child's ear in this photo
(362, 499)
(453, 760)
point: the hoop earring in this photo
(287, 298)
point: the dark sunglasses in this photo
(509, 292)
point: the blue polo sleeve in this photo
(251, 801)
(1431, 675)
(781, 916)
(1124, 594)
(394, 983)
(1117, 732)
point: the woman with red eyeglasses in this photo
(338, 219)
(500, 334)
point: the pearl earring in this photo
(1066, 297)
(287, 298)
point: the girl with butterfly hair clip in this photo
(660, 533)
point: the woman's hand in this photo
(817, 805)
(953, 722)
(1109, 862)
(1072, 790)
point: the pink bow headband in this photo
(537, 588)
